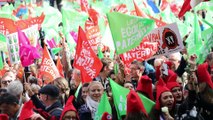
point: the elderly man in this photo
(7, 78)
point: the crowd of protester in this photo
(182, 90)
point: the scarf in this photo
(93, 105)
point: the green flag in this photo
(104, 106)
(77, 91)
(128, 31)
(3, 44)
(56, 50)
(207, 36)
(100, 54)
(194, 41)
(1, 63)
(119, 99)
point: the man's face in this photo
(167, 100)
(76, 78)
(135, 71)
(8, 109)
(177, 93)
(129, 86)
(7, 79)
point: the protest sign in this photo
(128, 31)
(48, 68)
(168, 39)
(85, 58)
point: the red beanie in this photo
(134, 103)
(172, 82)
(145, 85)
(4, 117)
(106, 116)
(203, 74)
(27, 111)
(68, 107)
(160, 88)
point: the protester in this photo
(9, 104)
(95, 91)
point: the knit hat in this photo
(27, 111)
(134, 103)
(160, 88)
(4, 117)
(106, 116)
(145, 85)
(203, 74)
(172, 82)
(69, 107)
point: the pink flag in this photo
(51, 43)
(27, 52)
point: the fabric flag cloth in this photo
(120, 100)
(103, 107)
(86, 59)
(48, 68)
(128, 31)
(60, 67)
(187, 5)
(3, 43)
(27, 52)
(56, 50)
(1, 61)
(51, 43)
(100, 54)
(27, 111)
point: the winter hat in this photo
(27, 111)
(106, 116)
(145, 85)
(172, 82)
(160, 88)
(4, 117)
(134, 103)
(68, 107)
(203, 74)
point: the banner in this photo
(142, 52)
(13, 43)
(93, 36)
(48, 68)
(128, 31)
(85, 58)
(168, 39)
(120, 99)
(207, 36)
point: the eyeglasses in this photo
(6, 82)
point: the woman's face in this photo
(167, 100)
(70, 115)
(95, 92)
